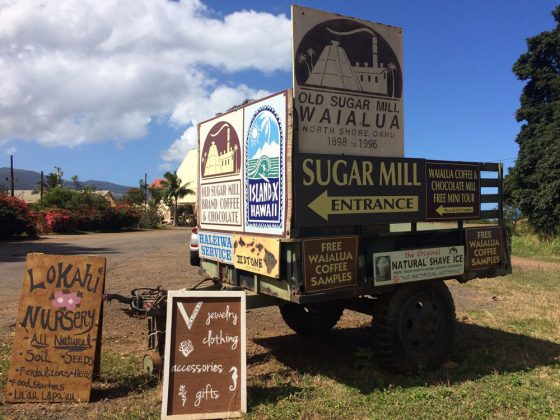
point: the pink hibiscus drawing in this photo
(66, 300)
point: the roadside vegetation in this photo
(530, 245)
(79, 208)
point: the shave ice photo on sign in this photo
(264, 166)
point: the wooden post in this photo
(12, 173)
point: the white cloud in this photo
(11, 150)
(220, 100)
(86, 71)
(167, 167)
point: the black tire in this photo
(311, 319)
(194, 258)
(414, 327)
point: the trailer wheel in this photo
(313, 318)
(414, 327)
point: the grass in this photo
(530, 245)
(505, 364)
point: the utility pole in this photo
(12, 173)
(42, 184)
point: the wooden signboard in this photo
(57, 331)
(205, 358)
(221, 172)
(330, 263)
(352, 190)
(348, 84)
(257, 254)
(452, 191)
(418, 264)
(265, 165)
(215, 246)
(484, 248)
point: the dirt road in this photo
(143, 258)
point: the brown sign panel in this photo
(56, 335)
(452, 191)
(484, 248)
(330, 263)
(205, 362)
(352, 190)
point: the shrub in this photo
(15, 217)
(149, 218)
(77, 201)
(128, 216)
(60, 221)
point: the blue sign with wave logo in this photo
(264, 197)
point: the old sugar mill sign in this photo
(205, 362)
(57, 331)
(348, 82)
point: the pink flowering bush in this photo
(59, 221)
(16, 217)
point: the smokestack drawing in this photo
(375, 60)
(227, 139)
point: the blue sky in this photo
(110, 93)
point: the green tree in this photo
(134, 196)
(156, 195)
(76, 184)
(533, 184)
(173, 190)
(49, 182)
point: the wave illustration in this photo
(263, 167)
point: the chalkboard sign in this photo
(205, 362)
(56, 337)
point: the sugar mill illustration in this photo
(333, 67)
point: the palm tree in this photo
(49, 182)
(173, 190)
(303, 59)
(311, 53)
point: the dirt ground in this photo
(152, 258)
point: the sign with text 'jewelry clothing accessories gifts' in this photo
(205, 355)
(56, 338)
